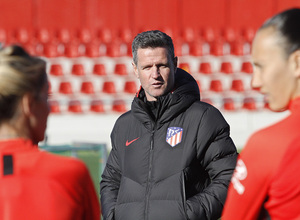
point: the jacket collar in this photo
(184, 94)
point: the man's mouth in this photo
(157, 84)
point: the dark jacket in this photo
(174, 164)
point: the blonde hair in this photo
(20, 73)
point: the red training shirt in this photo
(38, 185)
(265, 181)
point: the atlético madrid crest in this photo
(174, 135)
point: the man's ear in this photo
(27, 103)
(175, 63)
(135, 70)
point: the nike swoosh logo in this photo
(130, 142)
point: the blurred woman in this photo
(35, 184)
(265, 184)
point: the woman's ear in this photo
(27, 104)
(296, 59)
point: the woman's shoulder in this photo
(61, 165)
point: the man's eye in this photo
(163, 66)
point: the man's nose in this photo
(155, 72)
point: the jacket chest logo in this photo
(174, 136)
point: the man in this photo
(172, 157)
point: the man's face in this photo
(156, 71)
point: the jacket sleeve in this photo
(218, 156)
(110, 183)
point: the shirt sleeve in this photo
(249, 184)
(91, 201)
(284, 195)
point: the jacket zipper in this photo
(184, 197)
(149, 176)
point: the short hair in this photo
(152, 39)
(20, 73)
(287, 26)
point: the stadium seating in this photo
(249, 104)
(121, 69)
(247, 67)
(217, 47)
(119, 106)
(78, 69)
(230, 34)
(197, 48)
(94, 63)
(84, 35)
(185, 66)
(105, 35)
(75, 106)
(97, 106)
(226, 67)
(99, 69)
(125, 35)
(237, 85)
(216, 85)
(50, 50)
(56, 70)
(205, 68)
(43, 35)
(209, 34)
(248, 34)
(64, 36)
(87, 87)
(84, 68)
(71, 49)
(22, 36)
(109, 87)
(65, 88)
(239, 48)
(130, 87)
(229, 104)
(54, 107)
(188, 34)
